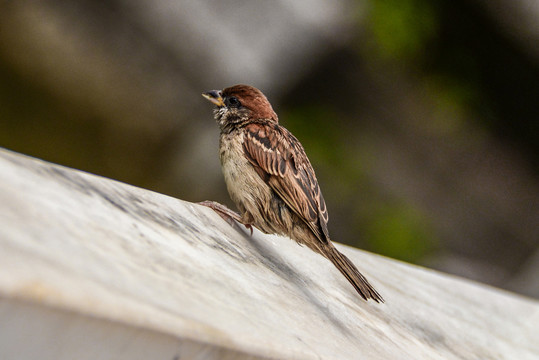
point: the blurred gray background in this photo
(420, 117)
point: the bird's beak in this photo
(215, 97)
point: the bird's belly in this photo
(253, 197)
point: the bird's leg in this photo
(227, 214)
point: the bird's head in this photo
(240, 104)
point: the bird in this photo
(271, 180)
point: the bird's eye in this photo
(233, 101)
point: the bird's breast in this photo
(248, 191)
(240, 177)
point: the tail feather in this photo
(350, 271)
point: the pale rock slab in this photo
(95, 269)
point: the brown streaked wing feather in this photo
(280, 160)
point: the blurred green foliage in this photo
(469, 63)
(401, 29)
(398, 230)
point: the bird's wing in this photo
(281, 162)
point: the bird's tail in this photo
(350, 271)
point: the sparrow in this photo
(270, 178)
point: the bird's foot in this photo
(227, 214)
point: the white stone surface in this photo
(95, 269)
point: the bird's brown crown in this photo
(252, 99)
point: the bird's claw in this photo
(227, 214)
